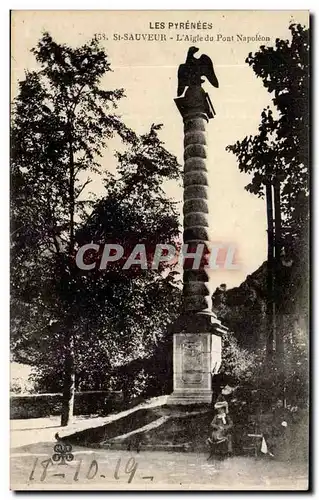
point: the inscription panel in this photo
(192, 359)
(192, 362)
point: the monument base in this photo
(197, 353)
(181, 397)
(152, 425)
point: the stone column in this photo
(197, 332)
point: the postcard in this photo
(159, 250)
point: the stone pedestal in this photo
(196, 358)
(197, 350)
(197, 332)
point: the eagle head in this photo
(193, 50)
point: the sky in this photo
(147, 70)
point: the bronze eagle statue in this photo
(190, 73)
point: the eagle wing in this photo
(182, 76)
(207, 69)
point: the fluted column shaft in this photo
(196, 110)
(196, 290)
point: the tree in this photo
(61, 120)
(278, 159)
(63, 320)
(242, 310)
(137, 304)
(121, 314)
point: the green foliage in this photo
(282, 141)
(237, 363)
(244, 360)
(243, 309)
(288, 378)
(61, 119)
(61, 122)
(280, 151)
(278, 156)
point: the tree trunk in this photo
(71, 191)
(277, 275)
(270, 274)
(68, 382)
(69, 368)
(280, 323)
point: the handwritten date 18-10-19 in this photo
(86, 472)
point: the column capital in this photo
(196, 102)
